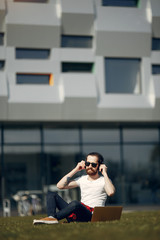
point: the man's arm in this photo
(109, 187)
(65, 182)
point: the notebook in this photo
(108, 213)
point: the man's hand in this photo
(103, 168)
(80, 166)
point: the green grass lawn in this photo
(135, 225)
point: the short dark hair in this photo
(98, 155)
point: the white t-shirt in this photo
(92, 192)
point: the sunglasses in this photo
(94, 165)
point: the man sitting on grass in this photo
(94, 190)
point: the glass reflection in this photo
(61, 136)
(141, 135)
(22, 136)
(141, 170)
(41, 156)
(100, 135)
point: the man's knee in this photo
(75, 204)
(51, 194)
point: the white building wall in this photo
(155, 4)
(2, 15)
(77, 17)
(33, 25)
(126, 32)
(118, 32)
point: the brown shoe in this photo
(47, 220)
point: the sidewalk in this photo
(133, 208)
(126, 209)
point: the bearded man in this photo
(94, 190)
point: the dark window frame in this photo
(2, 64)
(156, 44)
(120, 3)
(156, 69)
(77, 67)
(32, 53)
(76, 41)
(1, 39)
(32, 78)
(107, 91)
(31, 1)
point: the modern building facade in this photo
(75, 77)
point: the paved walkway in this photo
(126, 208)
(133, 208)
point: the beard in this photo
(91, 171)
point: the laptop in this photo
(108, 213)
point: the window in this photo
(1, 38)
(141, 170)
(131, 153)
(77, 67)
(23, 78)
(27, 53)
(15, 176)
(122, 75)
(2, 65)
(140, 135)
(120, 3)
(61, 136)
(76, 41)
(100, 136)
(155, 43)
(22, 136)
(155, 69)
